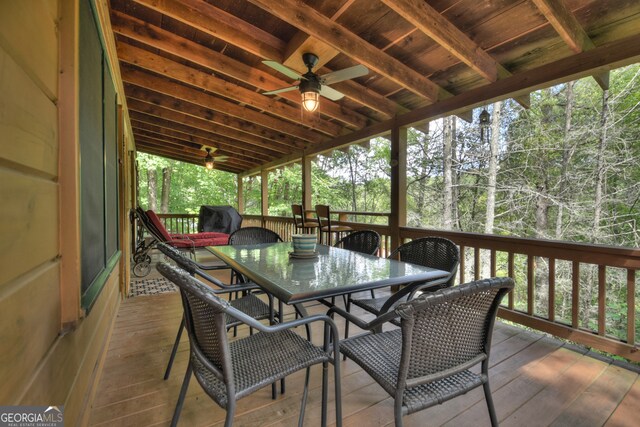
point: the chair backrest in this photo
(205, 323)
(433, 252)
(364, 241)
(298, 215)
(253, 236)
(323, 212)
(155, 220)
(148, 225)
(448, 331)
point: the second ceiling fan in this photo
(311, 85)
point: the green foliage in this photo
(191, 185)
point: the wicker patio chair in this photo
(434, 252)
(323, 213)
(301, 222)
(248, 304)
(254, 236)
(364, 241)
(228, 371)
(442, 335)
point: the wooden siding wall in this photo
(38, 366)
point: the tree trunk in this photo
(567, 152)
(353, 183)
(166, 189)
(491, 183)
(447, 171)
(493, 168)
(152, 182)
(422, 185)
(600, 172)
(542, 211)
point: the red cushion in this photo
(159, 225)
(199, 243)
(202, 235)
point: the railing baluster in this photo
(510, 268)
(631, 307)
(575, 294)
(492, 267)
(602, 289)
(552, 289)
(462, 264)
(531, 284)
(476, 263)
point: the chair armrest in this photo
(410, 290)
(224, 287)
(330, 326)
(375, 324)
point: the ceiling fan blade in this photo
(283, 69)
(284, 89)
(221, 158)
(330, 93)
(345, 74)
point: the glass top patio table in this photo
(333, 272)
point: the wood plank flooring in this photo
(536, 381)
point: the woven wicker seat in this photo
(442, 335)
(323, 213)
(301, 222)
(228, 371)
(248, 304)
(434, 252)
(253, 236)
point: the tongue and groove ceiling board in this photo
(194, 75)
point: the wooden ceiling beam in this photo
(570, 30)
(153, 150)
(178, 111)
(302, 43)
(426, 19)
(192, 77)
(431, 23)
(159, 84)
(220, 24)
(170, 146)
(188, 141)
(224, 145)
(177, 147)
(319, 26)
(171, 43)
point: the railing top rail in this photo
(177, 215)
(584, 252)
(352, 213)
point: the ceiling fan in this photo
(209, 160)
(311, 85)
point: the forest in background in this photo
(568, 168)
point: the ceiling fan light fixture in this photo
(310, 90)
(208, 161)
(310, 101)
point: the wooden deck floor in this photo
(536, 381)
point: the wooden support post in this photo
(264, 193)
(306, 183)
(240, 194)
(69, 168)
(398, 216)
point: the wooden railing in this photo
(580, 292)
(180, 223)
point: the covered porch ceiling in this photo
(194, 77)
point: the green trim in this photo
(90, 296)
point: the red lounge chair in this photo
(212, 238)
